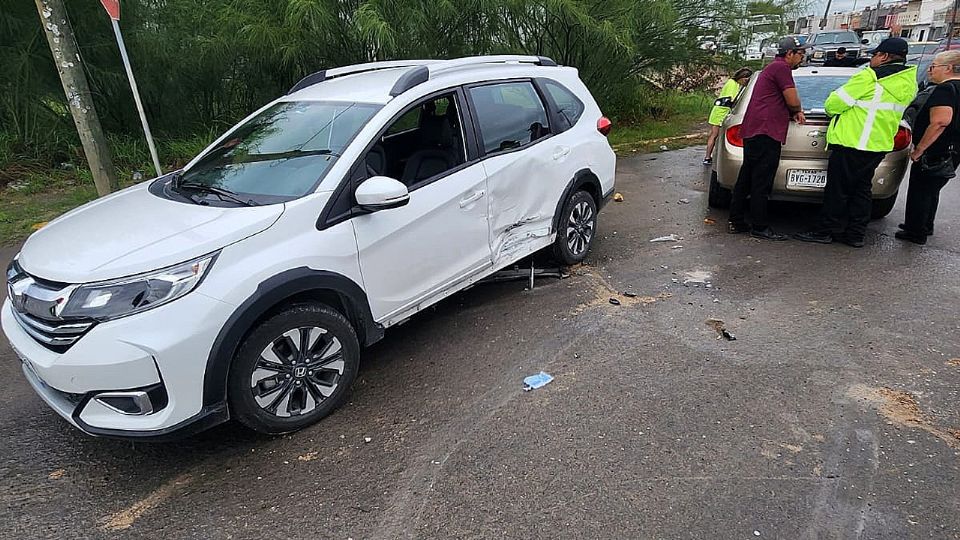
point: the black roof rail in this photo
(408, 80)
(309, 80)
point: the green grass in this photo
(32, 193)
(666, 115)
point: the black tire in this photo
(719, 196)
(576, 229)
(286, 389)
(881, 207)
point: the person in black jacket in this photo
(936, 140)
(840, 59)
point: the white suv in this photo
(245, 285)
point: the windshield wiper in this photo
(224, 194)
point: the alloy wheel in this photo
(580, 228)
(297, 371)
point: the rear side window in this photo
(510, 115)
(569, 105)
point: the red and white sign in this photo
(112, 7)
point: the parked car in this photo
(918, 50)
(824, 45)
(802, 173)
(873, 38)
(246, 285)
(925, 60)
(752, 53)
(770, 45)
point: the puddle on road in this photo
(902, 410)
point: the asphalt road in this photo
(834, 414)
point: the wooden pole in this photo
(66, 55)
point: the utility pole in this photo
(823, 22)
(953, 22)
(66, 56)
(876, 18)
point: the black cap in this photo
(841, 50)
(893, 45)
(788, 44)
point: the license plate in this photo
(806, 178)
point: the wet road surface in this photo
(834, 414)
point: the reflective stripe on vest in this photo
(872, 106)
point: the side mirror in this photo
(381, 193)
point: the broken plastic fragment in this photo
(618, 197)
(614, 301)
(630, 294)
(684, 201)
(710, 221)
(721, 329)
(536, 381)
(697, 278)
(668, 238)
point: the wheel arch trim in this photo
(270, 294)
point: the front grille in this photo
(57, 336)
(36, 307)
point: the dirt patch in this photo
(954, 362)
(604, 293)
(902, 410)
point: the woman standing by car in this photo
(936, 140)
(722, 106)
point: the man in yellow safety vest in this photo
(866, 114)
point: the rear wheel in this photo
(293, 369)
(577, 228)
(719, 196)
(882, 207)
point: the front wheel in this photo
(293, 369)
(577, 228)
(881, 207)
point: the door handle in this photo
(560, 152)
(472, 198)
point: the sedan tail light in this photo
(902, 139)
(604, 125)
(733, 136)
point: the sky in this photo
(845, 5)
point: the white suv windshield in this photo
(283, 151)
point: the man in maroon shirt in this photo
(773, 103)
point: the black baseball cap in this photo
(788, 44)
(893, 45)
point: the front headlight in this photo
(818, 54)
(118, 298)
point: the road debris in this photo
(954, 362)
(668, 238)
(630, 294)
(367, 440)
(523, 274)
(617, 197)
(57, 474)
(615, 302)
(676, 247)
(721, 329)
(309, 456)
(663, 147)
(684, 201)
(710, 221)
(697, 278)
(536, 381)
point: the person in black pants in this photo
(936, 140)
(773, 104)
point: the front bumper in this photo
(886, 179)
(166, 347)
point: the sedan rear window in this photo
(814, 90)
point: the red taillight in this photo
(902, 139)
(733, 136)
(604, 125)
